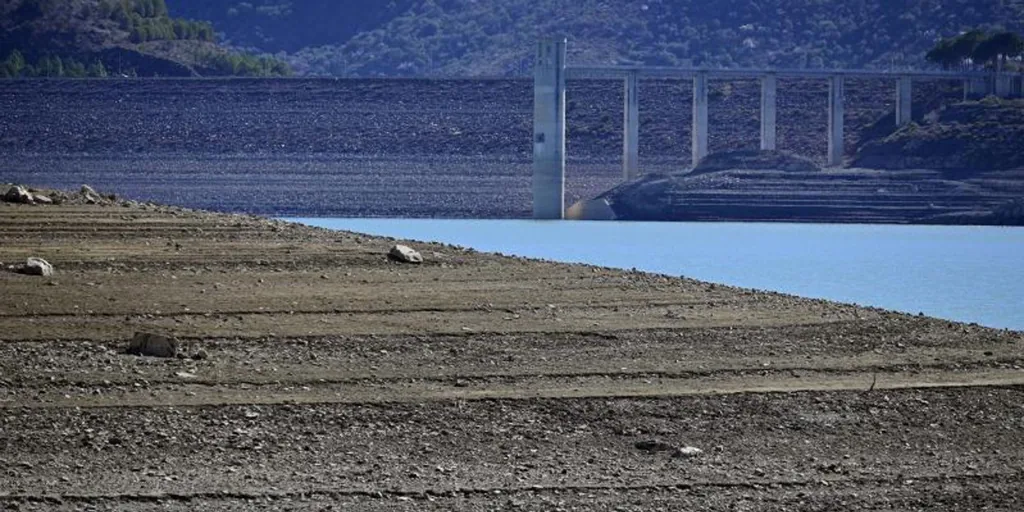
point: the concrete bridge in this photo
(551, 73)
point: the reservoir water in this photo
(969, 274)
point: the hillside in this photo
(494, 37)
(97, 38)
(968, 136)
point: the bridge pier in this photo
(975, 88)
(904, 101)
(631, 129)
(1004, 85)
(699, 133)
(549, 130)
(769, 95)
(836, 110)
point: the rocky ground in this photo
(318, 374)
(406, 148)
(768, 193)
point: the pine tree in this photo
(13, 65)
(74, 69)
(97, 70)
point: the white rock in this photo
(90, 194)
(405, 254)
(688, 452)
(35, 267)
(19, 194)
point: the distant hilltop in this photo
(432, 38)
(494, 37)
(100, 38)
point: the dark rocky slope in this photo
(787, 189)
(969, 136)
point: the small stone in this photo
(35, 267)
(200, 355)
(653, 446)
(153, 345)
(185, 375)
(688, 452)
(405, 254)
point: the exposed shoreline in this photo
(335, 376)
(428, 148)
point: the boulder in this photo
(19, 194)
(35, 267)
(405, 254)
(591, 209)
(90, 194)
(153, 345)
(41, 199)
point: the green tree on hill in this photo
(74, 69)
(954, 52)
(98, 70)
(978, 48)
(13, 65)
(999, 48)
(50, 66)
(944, 55)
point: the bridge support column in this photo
(904, 101)
(836, 110)
(699, 133)
(769, 89)
(631, 130)
(549, 130)
(975, 88)
(1004, 85)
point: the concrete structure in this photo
(904, 101)
(699, 133)
(631, 129)
(836, 111)
(1004, 85)
(549, 130)
(551, 74)
(976, 87)
(769, 89)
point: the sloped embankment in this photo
(768, 186)
(970, 137)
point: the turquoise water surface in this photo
(970, 274)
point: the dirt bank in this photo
(331, 376)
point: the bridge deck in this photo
(621, 72)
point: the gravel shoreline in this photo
(333, 377)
